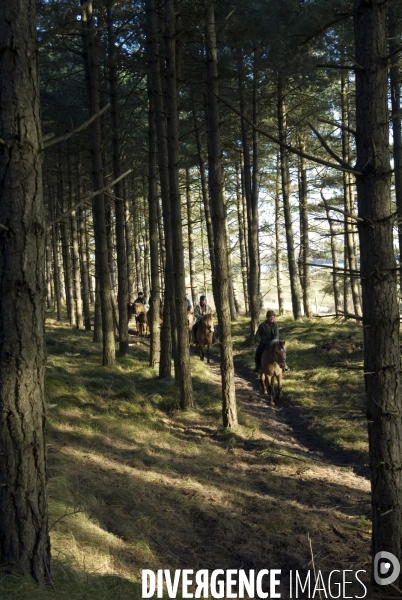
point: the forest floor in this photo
(135, 483)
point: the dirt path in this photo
(271, 489)
(328, 485)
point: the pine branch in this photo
(327, 147)
(339, 125)
(67, 136)
(68, 212)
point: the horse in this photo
(141, 318)
(142, 323)
(273, 361)
(205, 334)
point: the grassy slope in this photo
(134, 483)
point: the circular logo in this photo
(386, 568)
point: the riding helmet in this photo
(203, 298)
(270, 313)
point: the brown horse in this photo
(205, 335)
(273, 360)
(141, 318)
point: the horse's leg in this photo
(208, 347)
(279, 379)
(271, 389)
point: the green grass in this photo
(136, 483)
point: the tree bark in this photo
(179, 274)
(240, 219)
(293, 274)
(91, 61)
(65, 250)
(75, 255)
(24, 537)
(378, 277)
(334, 256)
(165, 366)
(122, 283)
(49, 290)
(191, 257)
(205, 198)
(56, 264)
(218, 213)
(304, 229)
(252, 207)
(278, 241)
(395, 81)
(350, 247)
(84, 262)
(154, 319)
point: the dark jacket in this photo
(140, 300)
(266, 333)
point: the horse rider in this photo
(200, 310)
(189, 305)
(267, 332)
(140, 299)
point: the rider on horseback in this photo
(200, 310)
(140, 299)
(267, 332)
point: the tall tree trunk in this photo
(91, 61)
(91, 269)
(129, 244)
(84, 266)
(191, 257)
(56, 261)
(205, 198)
(179, 273)
(161, 136)
(293, 274)
(350, 249)
(233, 314)
(154, 319)
(75, 255)
(395, 81)
(252, 208)
(334, 255)
(218, 213)
(378, 277)
(278, 241)
(240, 219)
(65, 250)
(137, 249)
(122, 283)
(24, 537)
(49, 290)
(304, 229)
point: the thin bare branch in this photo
(327, 147)
(67, 136)
(68, 212)
(339, 125)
